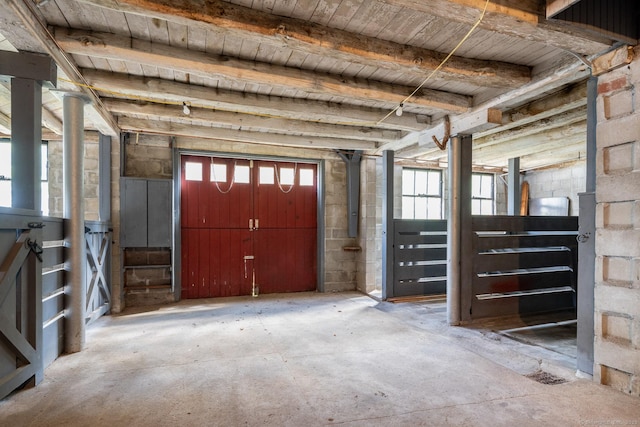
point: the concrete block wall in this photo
(340, 264)
(369, 268)
(117, 290)
(617, 290)
(565, 181)
(91, 177)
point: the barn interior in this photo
(472, 164)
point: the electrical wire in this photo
(435, 70)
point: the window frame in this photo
(426, 197)
(44, 176)
(477, 196)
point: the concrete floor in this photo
(306, 360)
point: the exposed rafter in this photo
(268, 106)
(109, 46)
(568, 75)
(207, 117)
(312, 38)
(523, 19)
(179, 129)
(27, 31)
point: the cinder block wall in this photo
(565, 181)
(617, 291)
(369, 268)
(91, 177)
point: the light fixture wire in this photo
(435, 70)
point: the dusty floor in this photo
(307, 360)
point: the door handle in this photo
(250, 224)
(257, 224)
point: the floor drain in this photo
(546, 378)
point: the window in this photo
(218, 172)
(306, 177)
(482, 194)
(241, 174)
(421, 194)
(5, 176)
(286, 176)
(193, 171)
(266, 175)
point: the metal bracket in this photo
(35, 248)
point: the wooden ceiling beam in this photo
(135, 87)
(5, 124)
(540, 127)
(565, 100)
(568, 75)
(473, 121)
(120, 48)
(496, 140)
(515, 18)
(26, 30)
(49, 120)
(324, 41)
(207, 117)
(179, 129)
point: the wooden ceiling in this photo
(319, 73)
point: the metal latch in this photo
(582, 238)
(35, 248)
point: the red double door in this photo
(247, 226)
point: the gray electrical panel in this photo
(145, 213)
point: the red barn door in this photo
(240, 218)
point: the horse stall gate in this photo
(419, 258)
(33, 263)
(519, 265)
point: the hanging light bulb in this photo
(185, 109)
(399, 110)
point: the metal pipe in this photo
(513, 187)
(387, 224)
(592, 121)
(454, 225)
(73, 210)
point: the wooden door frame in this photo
(176, 250)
